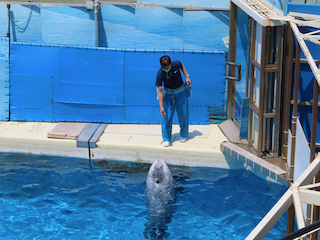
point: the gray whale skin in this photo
(160, 198)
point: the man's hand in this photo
(188, 81)
(184, 70)
(163, 113)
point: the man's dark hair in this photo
(165, 61)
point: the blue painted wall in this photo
(306, 76)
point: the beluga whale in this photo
(160, 198)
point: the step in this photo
(90, 135)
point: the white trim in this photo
(185, 7)
(261, 11)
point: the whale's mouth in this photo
(159, 179)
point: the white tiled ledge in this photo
(255, 164)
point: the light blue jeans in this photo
(175, 99)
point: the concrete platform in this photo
(142, 143)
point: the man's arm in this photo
(184, 70)
(160, 97)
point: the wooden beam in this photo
(286, 87)
(270, 115)
(305, 16)
(294, 195)
(266, 224)
(272, 67)
(232, 58)
(311, 39)
(304, 48)
(305, 103)
(303, 60)
(285, 109)
(261, 11)
(255, 109)
(256, 64)
(301, 221)
(306, 23)
(313, 33)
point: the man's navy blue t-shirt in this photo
(172, 79)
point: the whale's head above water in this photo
(159, 175)
(160, 198)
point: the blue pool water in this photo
(63, 198)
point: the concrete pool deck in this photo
(132, 142)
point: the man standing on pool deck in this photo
(173, 96)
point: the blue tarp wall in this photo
(57, 74)
(306, 82)
(61, 83)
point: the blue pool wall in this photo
(119, 27)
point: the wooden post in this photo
(285, 118)
(232, 58)
(290, 219)
(286, 89)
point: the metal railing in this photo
(303, 233)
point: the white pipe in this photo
(47, 4)
(185, 7)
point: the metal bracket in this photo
(89, 5)
(239, 71)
